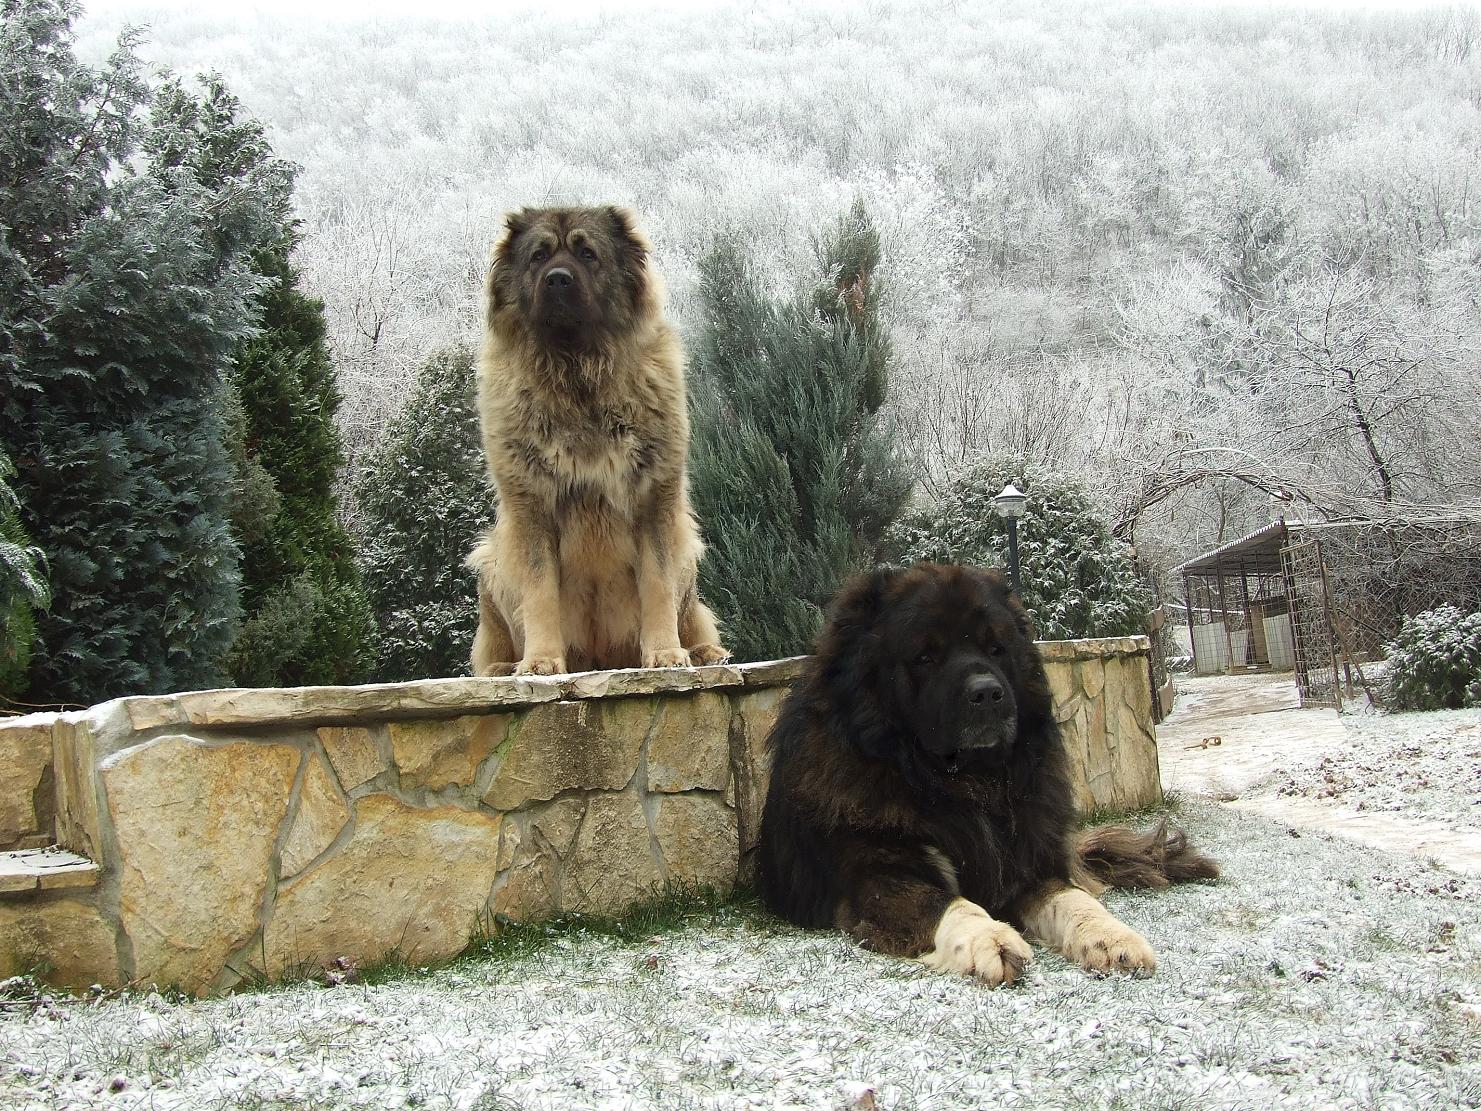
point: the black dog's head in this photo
(934, 667)
(572, 276)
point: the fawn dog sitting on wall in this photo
(593, 558)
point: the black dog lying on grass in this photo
(920, 797)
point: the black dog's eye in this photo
(995, 650)
(925, 658)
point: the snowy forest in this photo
(1178, 259)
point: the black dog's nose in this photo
(558, 277)
(983, 689)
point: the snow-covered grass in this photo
(1421, 765)
(1316, 973)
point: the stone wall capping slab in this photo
(431, 698)
(1099, 649)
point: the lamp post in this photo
(1009, 505)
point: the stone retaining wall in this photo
(251, 835)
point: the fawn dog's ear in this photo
(645, 291)
(498, 289)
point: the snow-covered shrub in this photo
(1077, 580)
(1435, 661)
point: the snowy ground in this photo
(1421, 765)
(1404, 782)
(1317, 973)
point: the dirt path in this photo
(1262, 731)
(1413, 836)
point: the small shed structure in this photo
(1237, 601)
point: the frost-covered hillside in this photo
(1114, 232)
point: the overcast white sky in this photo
(352, 9)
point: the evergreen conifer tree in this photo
(794, 474)
(306, 619)
(22, 589)
(423, 500)
(1077, 581)
(125, 284)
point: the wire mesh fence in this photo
(1383, 572)
(1314, 645)
(1379, 573)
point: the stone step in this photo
(49, 869)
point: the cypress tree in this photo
(125, 285)
(23, 588)
(423, 499)
(795, 476)
(306, 620)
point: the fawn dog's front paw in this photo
(541, 665)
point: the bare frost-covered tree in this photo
(1359, 383)
(398, 281)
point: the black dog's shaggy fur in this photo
(920, 797)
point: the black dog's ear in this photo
(1002, 589)
(1020, 614)
(859, 601)
(847, 644)
(849, 634)
(854, 661)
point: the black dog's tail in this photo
(1118, 856)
